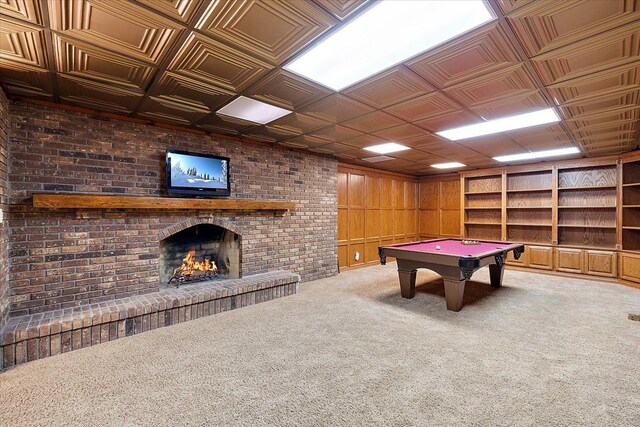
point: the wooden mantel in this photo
(116, 201)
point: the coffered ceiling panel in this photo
(543, 26)
(614, 80)
(341, 8)
(181, 10)
(391, 87)
(613, 48)
(22, 44)
(86, 61)
(432, 105)
(287, 90)
(466, 58)
(98, 96)
(215, 63)
(115, 25)
(186, 90)
(271, 29)
(180, 61)
(26, 10)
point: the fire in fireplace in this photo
(191, 270)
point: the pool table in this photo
(451, 259)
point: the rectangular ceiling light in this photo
(537, 155)
(504, 124)
(390, 147)
(376, 159)
(448, 165)
(384, 35)
(253, 111)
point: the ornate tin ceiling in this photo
(178, 61)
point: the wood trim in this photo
(443, 177)
(110, 201)
(348, 167)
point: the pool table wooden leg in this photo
(454, 293)
(407, 275)
(495, 274)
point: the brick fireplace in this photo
(65, 260)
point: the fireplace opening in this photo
(201, 252)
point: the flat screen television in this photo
(202, 175)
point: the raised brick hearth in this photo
(59, 261)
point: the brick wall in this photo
(66, 258)
(4, 232)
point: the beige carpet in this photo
(349, 350)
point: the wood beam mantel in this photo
(113, 201)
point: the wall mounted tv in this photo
(201, 175)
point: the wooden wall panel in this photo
(439, 207)
(374, 208)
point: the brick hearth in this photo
(36, 336)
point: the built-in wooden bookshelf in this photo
(482, 202)
(529, 206)
(587, 208)
(631, 206)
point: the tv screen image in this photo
(197, 174)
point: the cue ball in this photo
(437, 248)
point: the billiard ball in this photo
(437, 248)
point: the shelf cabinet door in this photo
(539, 257)
(569, 260)
(601, 263)
(630, 266)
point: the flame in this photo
(189, 266)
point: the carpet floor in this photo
(348, 350)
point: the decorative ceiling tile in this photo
(181, 10)
(185, 90)
(336, 133)
(506, 83)
(620, 129)
(601, 103)
(543, 26)
(167, 110)
(391, 87)
(272, 29)
(305, 142)
(373, 122)
(97, 96)
(448, 121)
(286, 90)
(508, 6)
(475, 54)
(342, 8)
(86, 61)
(115, 25)
(336, 108)
(363, 141)
(27, 82)
(423, 107)
(333, 148)
(217, 124)
(217, 64)
(617, 47)
(614, 80)
(523, 103)
(25, 10)
(426, 142)
(295, 124)
(398, 133)
(492, 145)
(21, 44)
(621, 116)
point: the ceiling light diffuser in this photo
(504, 124)
(538, 154)
(448, 165)
(389, 147)
(251, 110)
(385, 35)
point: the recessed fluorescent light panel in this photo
(390, 147)
(504, 124)
(386, 34)
(537, 155)
(251, 110)
(448, 165)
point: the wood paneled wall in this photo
(439, 206)
(374, 208)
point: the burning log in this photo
(192, 270)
